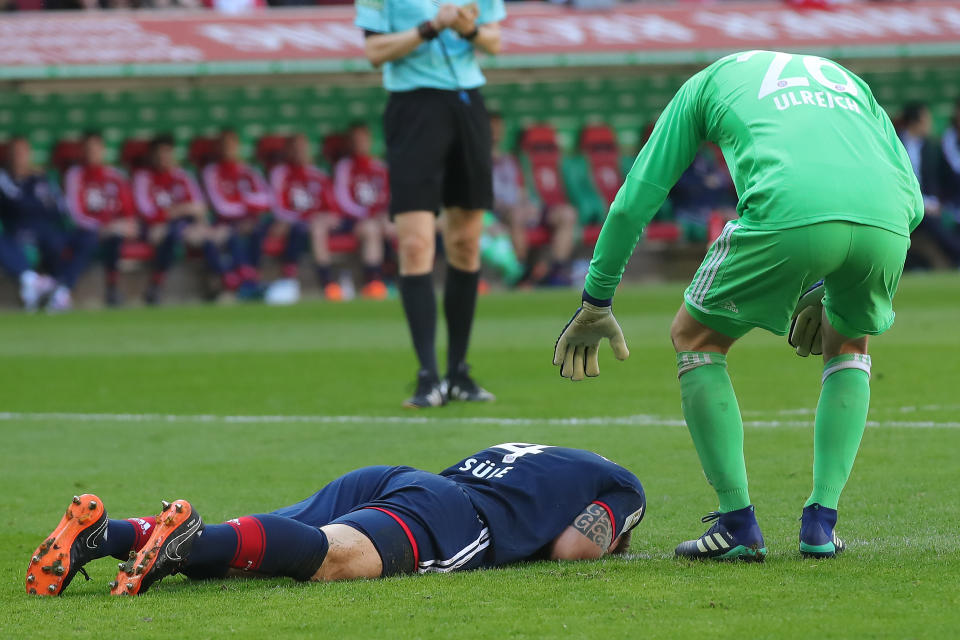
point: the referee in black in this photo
(438, 151)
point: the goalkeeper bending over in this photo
(508, 503)
(826, 192)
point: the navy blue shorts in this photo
(418, 521)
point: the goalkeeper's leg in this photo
(840, 421)
(713, 417)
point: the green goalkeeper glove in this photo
(805, 330)
(578, 344)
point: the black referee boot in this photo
(430, 392)
(460, 386)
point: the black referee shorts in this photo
(438, 150)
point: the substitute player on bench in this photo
(508, 503)
(825, 191)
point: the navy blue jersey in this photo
(30, 200)
(529, 493)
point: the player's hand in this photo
(577, 347)
(447, 15)
(466, 19)
(805, 330)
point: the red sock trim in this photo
(406, 530)
(248, 273)
(158, 277)
(251, 543)
(290, 271)
(143, 528)
(112, 277)
(231, 280)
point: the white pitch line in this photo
(597, 421)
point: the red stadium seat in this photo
(133, 250)
(339, 243)
(135, 154)
(66, 153)
(662, 232)
(335, 146)
(590, 235)
(203, 151)
(540, 236)
(271, 150)
(539, 144)
(598, 144)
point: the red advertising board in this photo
(318, 39)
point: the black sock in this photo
(324, 274)
(371, 272)
(459, 304)
(420, 306)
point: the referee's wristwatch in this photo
(427, 31)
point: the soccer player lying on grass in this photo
(506, 504)
(826, 191)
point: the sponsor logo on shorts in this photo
(729, 306)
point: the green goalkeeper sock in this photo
(841, 418)
(713, 417)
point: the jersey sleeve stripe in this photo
(406, 530)
(613, 520)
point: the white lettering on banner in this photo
(576, 31)
(276, 37)
(951, 18)
(311, 34)
(634, 29)
(870, 22)
(105, 41)
(737, 25)
(903, 21)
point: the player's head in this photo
(916, 119)
(360, 139)
(622, 544)
(19, 156)
(162, 151)
(497, 127)
(93, 149)
(298, 149)
(229, 145)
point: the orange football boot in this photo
(69, 547)
(333, 292)
(178, 526)
(374, 290)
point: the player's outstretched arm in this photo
(576, 351)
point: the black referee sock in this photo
(459, 304)
(420, 306)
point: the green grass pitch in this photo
(179, 391)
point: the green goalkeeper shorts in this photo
(755, 278)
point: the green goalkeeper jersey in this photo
(805, 142)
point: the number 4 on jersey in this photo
(519, 449)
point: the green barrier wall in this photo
(627, 101)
